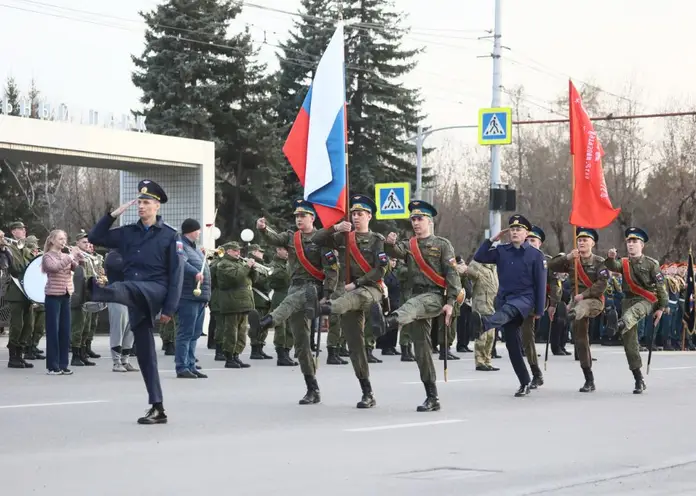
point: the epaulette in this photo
(379, 236)
(654, 261)
(599, 257)
(170, 227)
(559, 255)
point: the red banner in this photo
(591, 204)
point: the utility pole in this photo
(494, 215)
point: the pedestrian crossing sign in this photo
(495, 126)
(392, 200)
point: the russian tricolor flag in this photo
(316, 145)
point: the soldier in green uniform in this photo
(588, 303)
(312, 268)
(21, 311)
(235, 277)
(218, 337)
(98, 264)
(405, 341)
(335, 337)
(80, 321)
(484, 279)
(644, 289)
(368, 266)
(262, 304)
(536, 238)
(33, 352)
(435, 288)
(279, 282)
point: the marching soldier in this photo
(262, 304)
(21, 308)
(588, 303)
(644, 289)
(368, 266)
(435, 289)
(536, 238)
(235, 278)
(521, 291)
(313, 268)
(279, 282)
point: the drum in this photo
(34, 281)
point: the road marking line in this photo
(442, 381)
(63, 403)
(404, 426)
(674, 368)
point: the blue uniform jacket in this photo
(521, 275)
(113, 266)
(153, 258)
(194, 262)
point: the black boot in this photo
(83, 357)
(241, 364)
(311, 308)
(406, 355)
(333, 358)
(170, 349)
(284, 359)
(589, 381)
(343, 351)
(255, 352)
(22, 351)
(15, 360)
(312, 397)
(76, 360)
(154, 415)
(537, 377)
(370, 357)
(640, 383)
(90, 353)
(431, 403)
(219, 354)
(377, 320)
(264, 355)
(230, 362)
(450, 356)
(522, 391)
(38, 353)
(368, 399)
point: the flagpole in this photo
(345, 114)
(572, 185)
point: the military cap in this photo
(18, 224)
(518, 220)
(150, 190)
(255, 247)
(420, 208)
(231, 245)
(537, 232)
(636, 233)
(31, 242)
(586, 232)
(82, 234)
(302, 206)
(362, 202)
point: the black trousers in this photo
(127, 293)
(464, 327)
(509, 319)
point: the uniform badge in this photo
(383, 259)
(545, 264)
(179, 246)
(604, 273)
(330, 257)
(659, 278)
(452, 262)
(143, 190)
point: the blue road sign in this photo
(392, 200)
(495, 126)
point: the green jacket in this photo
(235, 279)
(20, 260)
(484, 279)
(279, 281)
(646, 273)
(214, 291)
(261, 286)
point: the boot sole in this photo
(311, 309)
(377, 320)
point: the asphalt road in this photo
(242, 431)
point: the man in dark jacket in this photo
(195, 295)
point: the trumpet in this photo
(258, 267)
(19, 243)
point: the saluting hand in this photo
(123, 208)
(391, 238)
(261, 224)
(499, 236)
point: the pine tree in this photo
(12, 95)
(199, 82)
(381, 112)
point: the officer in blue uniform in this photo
(153, 269)
(521, 291)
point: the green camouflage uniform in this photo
(279, 282)
(262, 302)
(484, 280)
(21, 308)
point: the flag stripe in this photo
(329, 194)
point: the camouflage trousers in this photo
(260, 337)
(483, 347)
(335, 337)
(291, 309)
(418, 312)
(39, 325)
(633, 311)
(352, 307)
(442, 329)
(80, 326)
(21, 323)
(233, 327)
(528, 340)
(584, 311)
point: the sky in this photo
(79, 51)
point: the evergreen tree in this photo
(381, 112)
(199, 82)
(12, 95)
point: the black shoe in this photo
(265, 355)
(450, 356)
(199, 374)
(464, 349)
(76, 360)
(370, 357)
(368, 398)
(257, 325)
(431, 403)
(170, 349)
(377, 321)
(15, 361)
(640, 383)
(284, 359)
(255, 352)
(153, 416)
(241, 364)
(22, 353)
(219, 354)
(66, 372)
(406, 355)
(83, 357)
(343, 351)
(589, 385)
(612, 322)
(312, 397)
(333, 358)
(537, 377)
(186, 374)
(90, 353)
(230, 362)
(522, 391)
(388, 352)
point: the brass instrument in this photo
(19, 243)
(259, 267)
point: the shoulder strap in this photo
(355, 253)
(302, 258)
(582, 275)
(424, 266)
(635, 289)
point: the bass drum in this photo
(34, 281)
